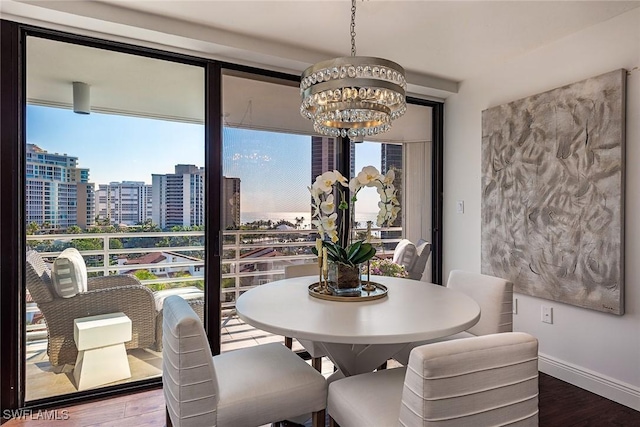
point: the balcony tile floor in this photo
(43, 380)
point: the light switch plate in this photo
(547, 314)
(460, 206)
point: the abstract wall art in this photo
(553, 193)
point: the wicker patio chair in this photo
(195, 299)
(107, 294)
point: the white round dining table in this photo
(359, 336)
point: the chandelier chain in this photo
(352, 96)
(353, 27)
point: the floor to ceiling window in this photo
(115, 170)
(126, 186)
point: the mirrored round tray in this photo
(370, 291)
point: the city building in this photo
(57, 192)
(391, 158)
(324, 151)
(178, 198)
(126, 202)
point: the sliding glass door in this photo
(170, 144)
(114, 171)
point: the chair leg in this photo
(332, 422)
(288, 342)
(168, 418)
(318, 419)
(316, 362)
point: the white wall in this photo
(594, 350)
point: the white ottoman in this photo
(102, 357)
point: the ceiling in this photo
(440, 43)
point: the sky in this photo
(274, 168)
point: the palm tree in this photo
(32, 228)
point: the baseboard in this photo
(610, 388)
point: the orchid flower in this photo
(368, 176)
(354, 185)
(325, 206)
(389, 177)
(341, 179)
(315, 194)
(329, 222)
(325, 181)
(328, 206)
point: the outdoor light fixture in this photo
(354, 96)
(81, 98)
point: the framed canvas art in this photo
(553, 193)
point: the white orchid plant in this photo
(325, 211)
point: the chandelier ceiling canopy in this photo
(353, 96)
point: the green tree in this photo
(87, 244)
(32, 228)
(115, 244)
(102, 221)
(147, 225)
(74, 229)
(144, 275)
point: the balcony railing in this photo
(250, 257)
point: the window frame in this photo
(13, 37)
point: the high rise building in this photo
(58, 192)
(324, 151)
(230, 203)
(178, 198)
(85, 216)
(391, 158)
(126, 202)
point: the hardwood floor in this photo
(561, 405)
(564, 405)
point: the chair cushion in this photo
(403, 355)
(69, 274)
(367, 400)
(494, 296)
(423, 249)
(266, 383)
(187, 293)
(480, 381)
(405, 254)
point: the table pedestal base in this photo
(353, 359)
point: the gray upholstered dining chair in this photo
(479, 381)
(495, 298)
(314, 350)
(246, 387)
(412, 256)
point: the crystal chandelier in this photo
(354, 96)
